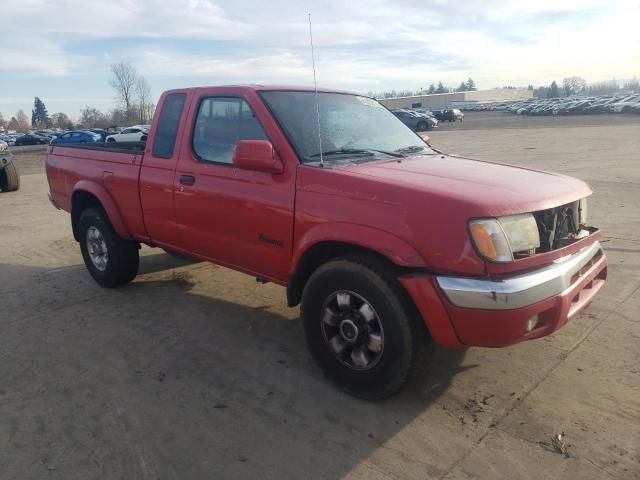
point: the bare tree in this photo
(117, 116)
(61, 120)
(22, 121)
(573, 85)
(145, 105)
(124, 80)
(91, 117)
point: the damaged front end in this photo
(561, 226)
(521, 241)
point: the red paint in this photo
(261, 215)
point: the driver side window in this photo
(220, 123)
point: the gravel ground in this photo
(194, 371)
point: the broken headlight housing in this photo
(503, 239)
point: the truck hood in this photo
(489, 188)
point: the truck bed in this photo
(110, 168)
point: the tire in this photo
(422, 126)
(143, 138)
(120, 264)
(110, 140)
(403, 341)
(9, 178)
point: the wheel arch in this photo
(89, 194)
(324, 244)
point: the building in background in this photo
(457, 98)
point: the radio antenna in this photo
(315, 87)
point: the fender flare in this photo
(107, 203)
(396, 250)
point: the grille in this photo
(559, 226)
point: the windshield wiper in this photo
(356, 151)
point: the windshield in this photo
(353, 127)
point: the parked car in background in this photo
(131, 134)
(626, 105)
(9, 177)
(451, 115)
(415, 121)
(8, 139)
(100, 131)
(31, 139)
(45, 133)
(423, 111)
(579, 105)
(78, 136)
(437, 114)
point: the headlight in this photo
(497, 239)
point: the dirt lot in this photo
(194, 371)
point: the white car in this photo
(131, 134)
(625, 106)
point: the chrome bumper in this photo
(519, 290)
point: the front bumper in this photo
(519, 290)
(494, 313)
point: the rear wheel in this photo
(110, 259)
(361, 328)
(9, 178)
(422, 126)
(110, 140)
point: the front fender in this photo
(107, 202)
(393, 248)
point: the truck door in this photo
(239, 218)
(158, 170)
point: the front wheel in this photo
(422, 126)
(361, 327)
(111, 260)
(110, 140)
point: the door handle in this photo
(187, 179)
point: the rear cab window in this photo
(168, 124)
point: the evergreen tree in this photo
(39, 115)
(432, 89)
(554, 91)
(440, 88)
(471, 85)
(462, 87)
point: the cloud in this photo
(360, 44)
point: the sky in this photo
(61, 51)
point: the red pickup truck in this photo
(387, 243)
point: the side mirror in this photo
(257, 155)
